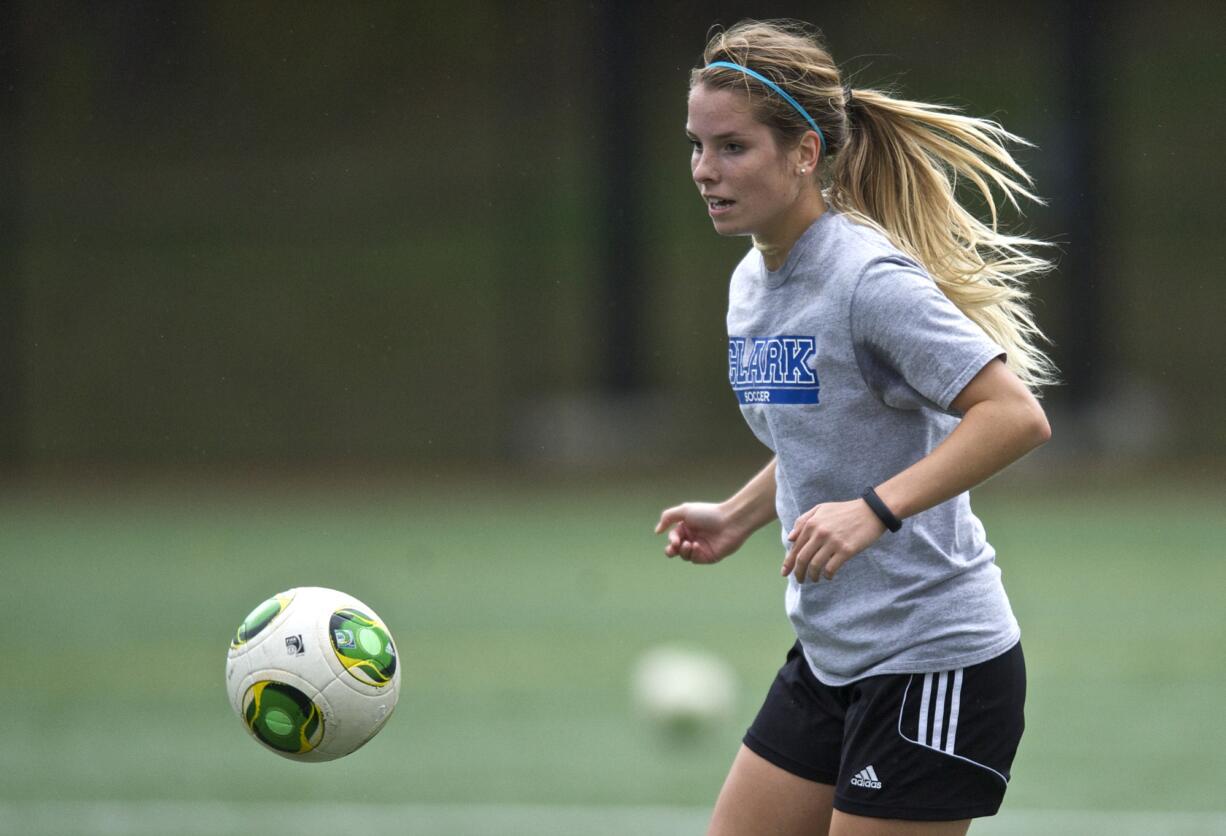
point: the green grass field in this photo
(519, 611)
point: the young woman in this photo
(880, 345)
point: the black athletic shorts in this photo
(924, 746)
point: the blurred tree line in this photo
(407, 232)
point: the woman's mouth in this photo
(718, 205)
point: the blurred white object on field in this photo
(683, 690)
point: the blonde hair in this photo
(896, 165)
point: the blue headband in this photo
(782, 94)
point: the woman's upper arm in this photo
(996, 383)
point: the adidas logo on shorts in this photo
(867, 778)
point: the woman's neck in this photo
(776, 244)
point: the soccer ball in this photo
(683, 691)
(312, 673)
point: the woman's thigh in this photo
(760, 799)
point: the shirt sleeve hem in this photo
(972, 368)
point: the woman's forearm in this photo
(753, 506)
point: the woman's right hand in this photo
(702, 532)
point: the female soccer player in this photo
(880, 345)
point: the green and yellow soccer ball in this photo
(313, 673)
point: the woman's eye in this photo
(733, 147)
(695, 144)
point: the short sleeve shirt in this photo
(845, 362)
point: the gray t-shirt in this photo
(845, 362)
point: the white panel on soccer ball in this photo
(237, 668)
(362, 717)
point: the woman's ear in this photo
(809, 152)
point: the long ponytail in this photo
(899, 170)
(896, 165)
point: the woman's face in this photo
(748, 182)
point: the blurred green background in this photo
(417, 301)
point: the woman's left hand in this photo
(827, 536)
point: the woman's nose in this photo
(704, 171)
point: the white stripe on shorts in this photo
(922, 732)
(954, 702)
(938, 724)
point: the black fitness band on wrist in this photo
(882, 511)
